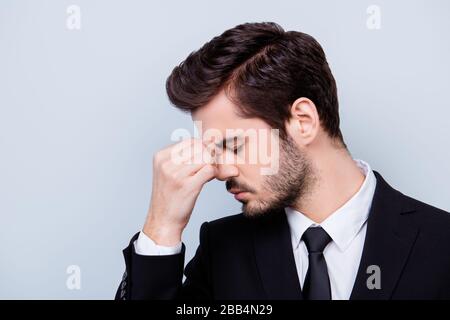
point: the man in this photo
(321, 226)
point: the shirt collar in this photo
(345, 223)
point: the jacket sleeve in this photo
(161, 277)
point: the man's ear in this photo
(303, 126)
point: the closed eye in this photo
(237, 149)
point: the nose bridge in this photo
(223, 157)
(222, 167)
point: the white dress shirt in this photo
(346, 227)
(145, 246)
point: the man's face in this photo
(272, 173)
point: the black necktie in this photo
(317, 282)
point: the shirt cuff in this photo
(147, 247)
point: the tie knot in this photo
(316, 239)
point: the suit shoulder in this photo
(232, 221)
(226, 230)
(430, 216)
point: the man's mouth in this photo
(238, 194)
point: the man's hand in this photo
(179, 173)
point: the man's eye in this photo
(237, 149)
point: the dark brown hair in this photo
(265, 68)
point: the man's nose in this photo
(226, 171)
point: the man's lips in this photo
(235, 191)
(238, 194)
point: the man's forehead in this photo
(219, 110)
(221, 122)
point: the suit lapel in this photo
(389, 239)
(275, 258)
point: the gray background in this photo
(82, 112)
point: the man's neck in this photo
(337, 178)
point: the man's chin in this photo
(252, 209)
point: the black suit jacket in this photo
(252, 258)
